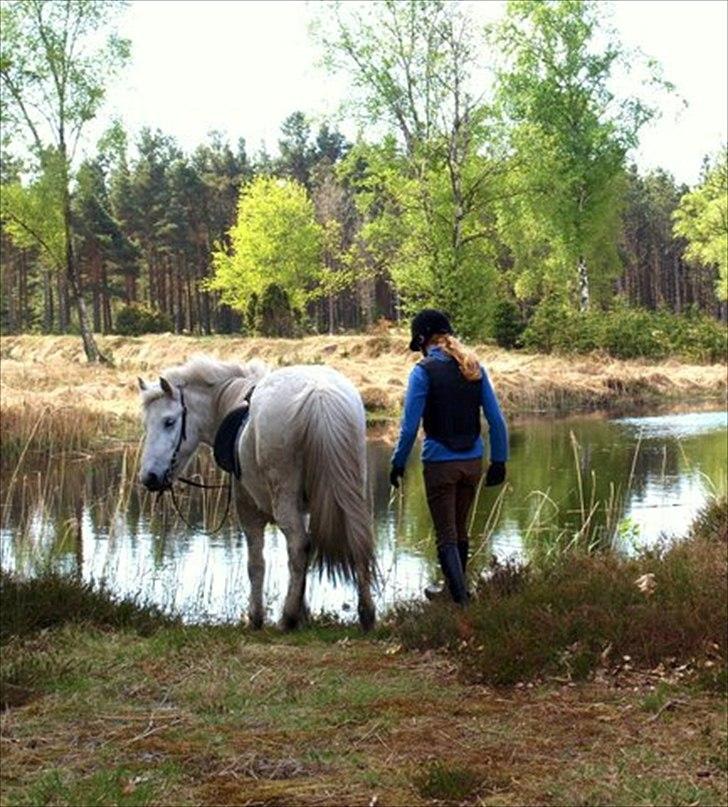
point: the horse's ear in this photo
(142, 384)
(166, 387)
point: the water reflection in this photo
(86, 515)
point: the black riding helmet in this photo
(427, 323)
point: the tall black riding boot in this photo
(452, 569)
(463, 548)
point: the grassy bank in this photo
(49, 374)
(112, 704)
(578, 612)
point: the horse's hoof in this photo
(367, 619)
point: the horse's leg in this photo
(256, 574)
(290, 519)
(253, 523)
(367, 612)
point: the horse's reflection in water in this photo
(301, 452)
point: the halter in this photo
(191, 482)
(182, 432)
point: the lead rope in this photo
(229, 487)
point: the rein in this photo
(229, 487)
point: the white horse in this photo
(302, 452)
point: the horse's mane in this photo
(204, 371)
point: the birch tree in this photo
(572, 133)
(56, 59)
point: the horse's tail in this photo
(335, 470)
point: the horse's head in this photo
(171, 435)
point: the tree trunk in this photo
(47, 302)
(62, 303)
(23, 317)
(191, 314)
(105, 301)
(583, 285)
(89, 344)
(96, 289)
(8, 282)
(331, 314)
(676, 275)
(180, 318)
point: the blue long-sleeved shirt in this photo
(432, 450)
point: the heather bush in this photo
(582, 609)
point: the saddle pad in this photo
(226, 438)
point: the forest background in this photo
(508, 198)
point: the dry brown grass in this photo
(50, 371)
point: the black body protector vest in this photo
(452, 408)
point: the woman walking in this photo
(447, 390)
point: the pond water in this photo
(628, 482)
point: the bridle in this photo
(191, 482)
(182, 432)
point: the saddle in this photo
(226, 437)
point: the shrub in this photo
(136, 319)
(508, 324)
(567, 616)
(625, 333)
(273, 314)
(51, 600)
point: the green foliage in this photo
(101, 236)
(625, 333)
(508, 323)
(407, 233)
(569, 135)
(32, 214)
(45, 41)
(136, 319)
(55, 60)
(448, 783)
(276, 240)
(424, 193)
(702, 219)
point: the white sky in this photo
(242, 67)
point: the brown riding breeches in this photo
(450, 487)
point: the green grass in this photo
(119, 786)
(657, 699)
(208, 715)
(447, 783)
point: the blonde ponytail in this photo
(466, 358)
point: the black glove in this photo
(395, 475)
(496, 474)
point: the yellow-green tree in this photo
(276, 241)
(702, 220)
